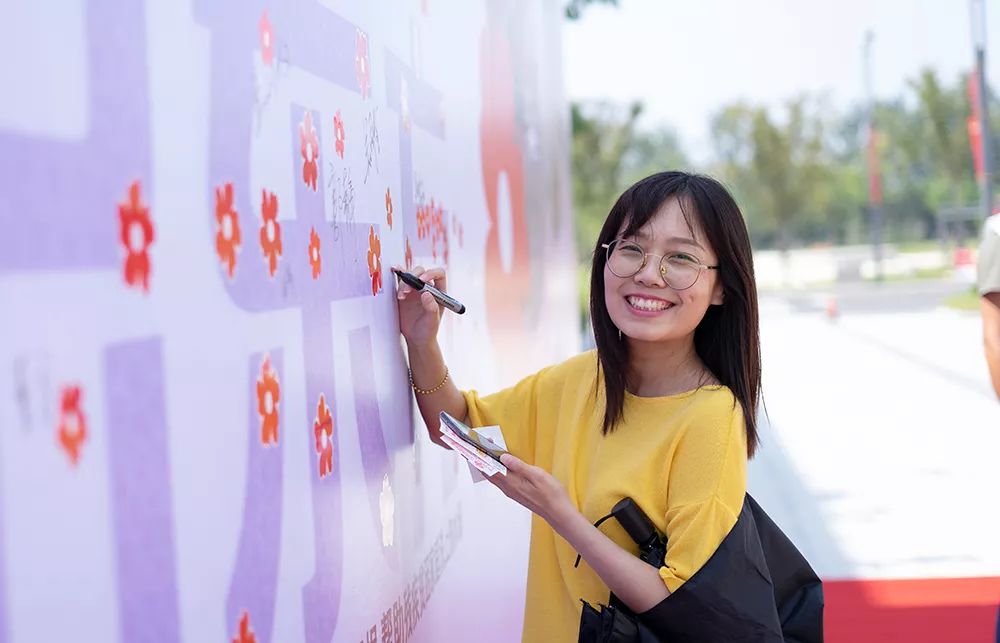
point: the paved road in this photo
(866, 297)
(881, 453)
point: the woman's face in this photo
(643, 306)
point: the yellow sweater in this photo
(682, 458)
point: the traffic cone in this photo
(832, 308)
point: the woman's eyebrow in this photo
(686, 241)
(644, 236)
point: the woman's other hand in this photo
(534, 488)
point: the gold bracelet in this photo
(428, 391)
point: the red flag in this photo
(972, 125)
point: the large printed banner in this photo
(206, 427)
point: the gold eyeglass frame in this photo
(645, 256)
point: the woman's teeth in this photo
(647, 304)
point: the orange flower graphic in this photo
(310, 150)
(338, 134)
(323, 429)
(136, 236)
(266, 39)
(374, 260)
(228, 238)
(245, 635)
(72, 432)
(270, 231)
(388, 208)
(268, 396)
(409, 254)
(314, 257)
(423, 225)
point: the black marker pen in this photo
(418, 284)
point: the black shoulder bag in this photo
(756, 587)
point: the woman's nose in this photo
(649, 274)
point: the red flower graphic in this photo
(338, 133)
(310, 150)
(136, 236)
(228, 238)
(323, 429)
(362, 65)
(436, 213)
(72, 431)
(409, 254)
(245, 635)
(314, 257)
(423, 223)
(266, 39)
(270, 231)
(268, 396)
(374, 260)
(388, 208)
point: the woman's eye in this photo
(630, 249)
(683, 258)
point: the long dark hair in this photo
(728, 338)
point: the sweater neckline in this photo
(675, 396)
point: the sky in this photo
(685, 59)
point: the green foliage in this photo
(782, 171)
(800, 172)
(801, 175)
(610, 152)
(574, 8)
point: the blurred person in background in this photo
(989, 290)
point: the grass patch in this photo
(968, 300)
(918, 246)
(921, 274)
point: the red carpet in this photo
(952, 610)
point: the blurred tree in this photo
(944, 111)
(574, 8)
(602, 134)
(779, 170)
(610, 151)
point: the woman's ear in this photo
(718, 294)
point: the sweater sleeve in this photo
(706, 483)
(514, 409)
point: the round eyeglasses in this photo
(680, 271)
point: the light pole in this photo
(874, 179)
(977, 14)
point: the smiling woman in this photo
(671, 311)
(663, 412)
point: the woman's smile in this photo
(647, 306)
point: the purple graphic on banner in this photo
(374, 458)
(324, 46)
(418, 105)
(254, 584)
(58, 202)
(140, 492)
(4, 634)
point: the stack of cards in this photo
(463, 440)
